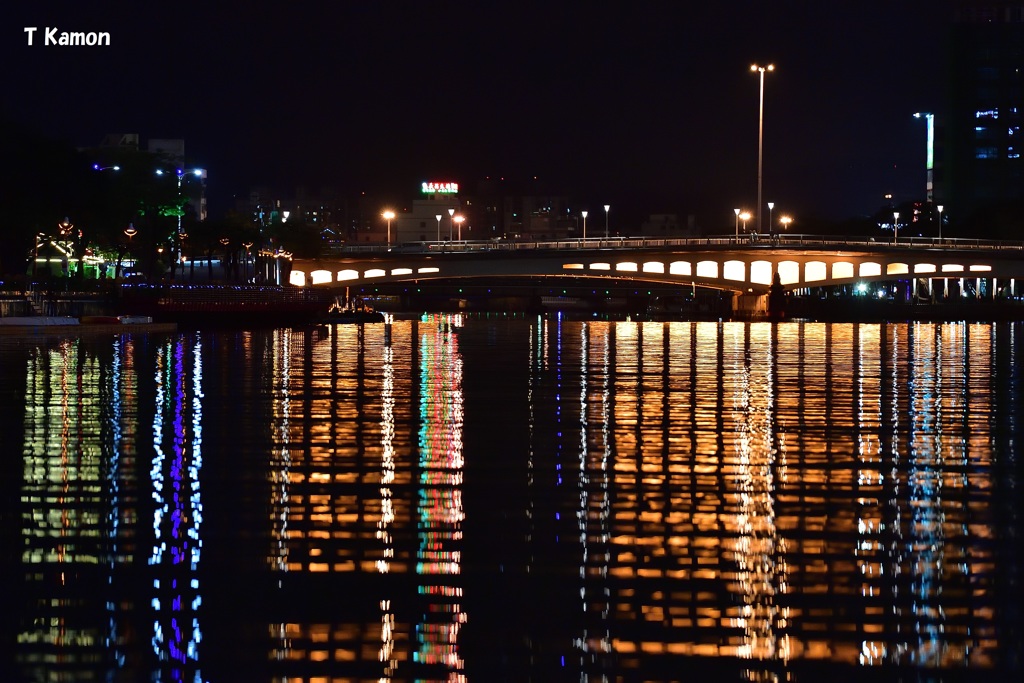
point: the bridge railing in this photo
(719, 241)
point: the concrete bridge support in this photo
(750, 305)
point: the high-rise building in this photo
(980, 176)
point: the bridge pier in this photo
(750, 305)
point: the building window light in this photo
(987, 114)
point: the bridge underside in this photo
(739, 271)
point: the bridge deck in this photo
(741, 266)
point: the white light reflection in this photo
(595, 502)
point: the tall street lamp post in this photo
(760, 135)
(607, 208)
(388, 215)
(129, 232)
(459, 219)
(939, 207)
(929, 163)
(895, 225)
(737, 212)
(584, 214)
(771, 228)
(451, 223)
(198, 172)
(438, 217)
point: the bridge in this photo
(741, 266)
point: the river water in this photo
(513, 498)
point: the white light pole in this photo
(771, 227)
(939, 207)
(929, 163)
(459, 219)
(737, 212)
(607, 208)
(895, 225)
(584, 214)
(451, 223)
(438, 217)
(760, 135)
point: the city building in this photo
(980, 174)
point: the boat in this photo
(220, 305)
(339, 316)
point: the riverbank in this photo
(35, 326)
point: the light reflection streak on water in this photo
(64, 528)
(280, 474)
(178, 510)
(595, 641)
(537, 363)
(870, 479)
(757, 546)
(440, 511)
(280, 471)
(119, 404)
(387, 655)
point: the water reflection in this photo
(70, 525)
(779, 492)
(439, 511)
(80, 497)
(178, 512)
(767, 502)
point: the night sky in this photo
(646, 105)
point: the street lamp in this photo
(458, 219)
(438, 217)
(895, 225)
(607, 208)
(760, 135)
(737, 212)
(745, 216)
(245, 266)
(198, 172)
(97, 167)
(388, 215)
(584, 214)
(939, 207)
(451, 223)
(771, 205)
(785, 220)
(65, 227)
